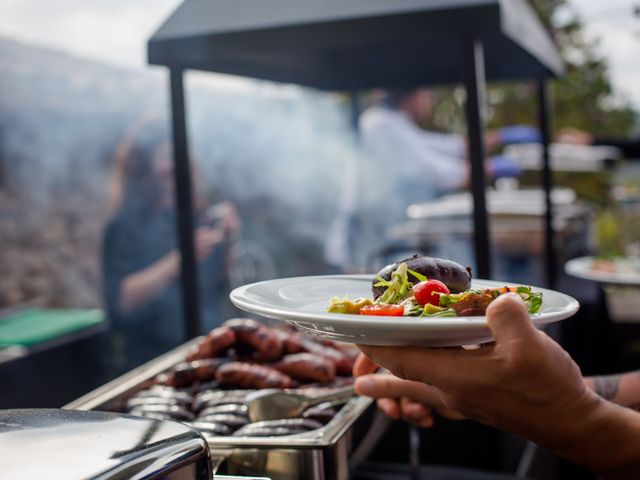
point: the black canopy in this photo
(352, 45)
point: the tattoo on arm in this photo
(607, 387)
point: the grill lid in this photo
(37, 444)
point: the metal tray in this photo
(330, 452)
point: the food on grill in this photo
(456, 277)
(232, 421)
(288, 426)
(268, 432)
(267, 345)
(230, 409)
(290, 340)
(343, 362)
(322, 415)
(150, 400)
(161, 391)
(173, 411)
(186, 373)
(307, 367)
(212, 428)
(422, 286)
(246, 375)
(216, 343)
(218, 397)
(209, 390)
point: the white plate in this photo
(582, 268)
(302, 301)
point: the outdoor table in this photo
(34, 330)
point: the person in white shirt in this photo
(405, 164)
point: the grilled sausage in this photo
(232, 421)
(230, 409)
(144, 401)
(290, 340)
(275, 428)
(218, 397)
(186, 373)
(217, 342)
(307, 367)
(268, 432)
(452, 274)
(322, 415)
(343, 363)
(173, 411)
(212, 428)
(245, 375)
(262, 339)
(183, 398)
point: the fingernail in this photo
(364, 386)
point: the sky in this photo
(115, 31)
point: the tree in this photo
(583, 98)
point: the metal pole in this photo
(184, 206)
(356, 106)
(547, 181)
(474, 81)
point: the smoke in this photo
(280, 153)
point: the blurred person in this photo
(140, 259)
(524, 383)
(406, 164)
(630, 147)
(428, 164)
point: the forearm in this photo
(622, 389)
(142, 287)
(606, 440)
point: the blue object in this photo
(503, 166)
(519, 134)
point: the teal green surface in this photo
(34, 326)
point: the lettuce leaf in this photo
(398, 287)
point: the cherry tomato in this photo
(384, 310)
(427, 292)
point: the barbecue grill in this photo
(330, 452)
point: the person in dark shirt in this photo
(140, 260)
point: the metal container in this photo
(52, 443)
(516, 216)
(328, 453)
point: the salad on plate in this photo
(429, 287)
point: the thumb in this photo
(508, 319)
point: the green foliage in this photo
(583, 98)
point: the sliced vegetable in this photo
(383, 310)
(344, 305)
(428, 292)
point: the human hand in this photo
(524, 383)
(519, 134)
(502, 166)
(225, 216)
(205, 241)
(397, 398)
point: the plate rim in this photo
(459, 323)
